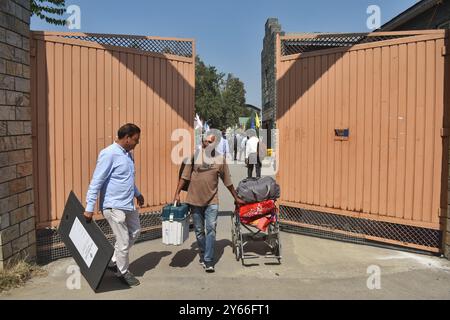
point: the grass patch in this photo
(18, 274)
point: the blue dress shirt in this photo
(114, 178)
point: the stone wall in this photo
(17, 223)
(268, 70)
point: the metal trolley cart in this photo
(240, 237)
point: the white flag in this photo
(199, 124)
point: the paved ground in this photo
(311, 268)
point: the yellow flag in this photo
(257, 121)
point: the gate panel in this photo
(387, 90)
(85, 87)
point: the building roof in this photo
(408, 14)
(253, 107)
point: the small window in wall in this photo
(445, 25)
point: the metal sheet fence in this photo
(83, 90)
(363, 128)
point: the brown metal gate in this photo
(361, 120)
(84, 87)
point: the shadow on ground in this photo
(184, 257)
(258, 248)
(147, 262)
(111, 282)
(220, 248)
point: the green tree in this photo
(234, 101)
(220, 102)
(44, 8)
(208, 101)
(248, 125)
(246, 112)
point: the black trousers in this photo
(250, 170)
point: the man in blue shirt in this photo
(114, 178)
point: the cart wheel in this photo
(241, 249)
(272, 239)
(233, 239)
(233, 245)
(237, 251)
(278, 250)
(234, 236)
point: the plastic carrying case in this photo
(175, 224)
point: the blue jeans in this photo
(205, 241)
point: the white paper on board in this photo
(83, 242)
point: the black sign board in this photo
(85, 241)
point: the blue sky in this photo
(229, 34)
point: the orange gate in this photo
(363, 125)
(84, 87)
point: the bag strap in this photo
(192, 161)
(266, 195)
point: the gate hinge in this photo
(442, 212)
(444, 51)
(32, 52)
(445, 132)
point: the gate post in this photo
(446, 228)
(17, 223)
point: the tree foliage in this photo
(218, 100)
(208, 103)
(44, 8)
(234, 101)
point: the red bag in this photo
(263, 223)
(253, 211)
